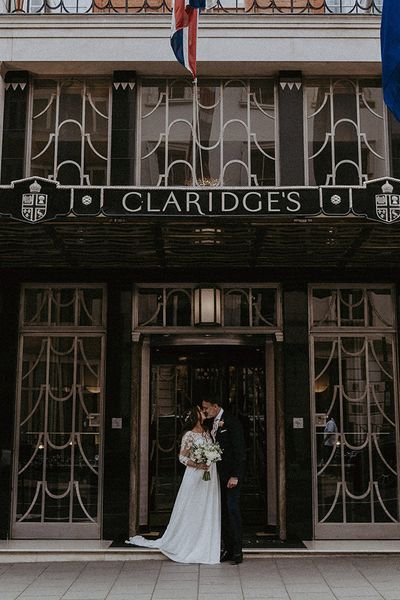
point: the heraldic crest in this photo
(34, 204)
(387, 205)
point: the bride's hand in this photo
(202, 466)
(193, 465)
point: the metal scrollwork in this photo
(356, 468)
(284, 7)
(60, 401)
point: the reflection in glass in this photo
(182, 378)
(149, 303)
(176, 307)
(264, 308)
(179, 307)
(59, 442)
(70, 131)
(63, 306)
(236, 307)
(224, 136)
(352, 307)
(354, 385)
(324, 304)
(346, 132)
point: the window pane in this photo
(63, 306)
(224, 137)
(352, 307)
(59, 429)
(150, 304)
(61, 132)
(345, 130)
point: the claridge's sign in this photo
(36, 200)
(209, 203)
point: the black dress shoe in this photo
(225, 556)
(237, 559)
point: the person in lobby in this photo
(330, 438)
(227, 430)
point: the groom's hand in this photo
(232, 482)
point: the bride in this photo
(194, 530)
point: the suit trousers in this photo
(231, 519)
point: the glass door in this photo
(58, 464)
(356, 418)
(182, 377)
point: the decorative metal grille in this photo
(346, 132)
(366, 307)
(70, 131)
(163, 307)
(60, 307)
(354, 381)
(60, 413)
(296, 7)
(224, 135)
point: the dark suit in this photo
(231, 439)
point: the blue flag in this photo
(390, 48)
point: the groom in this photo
(227, 431)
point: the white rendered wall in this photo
(232, 44)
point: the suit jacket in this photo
(231, 439)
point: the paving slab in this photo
(275, 578)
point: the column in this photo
(14, 126)
(117, 412)
(123, 134)
(297, 413)
(291, 128)
(280, 435)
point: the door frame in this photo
(276, 483)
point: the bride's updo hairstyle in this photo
(190, 419)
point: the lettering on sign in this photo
(211, 203)
(35, 200)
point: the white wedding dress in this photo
(193, 534)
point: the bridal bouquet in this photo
(206, 453)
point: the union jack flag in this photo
(185, 14)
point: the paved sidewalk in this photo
(319, 578)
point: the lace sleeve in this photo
(186, 446)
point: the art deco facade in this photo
(161, 242)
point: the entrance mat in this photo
(252, 542)
(255, 542)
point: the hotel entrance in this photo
(241, 378)
(196, 341)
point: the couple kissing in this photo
(205, 525)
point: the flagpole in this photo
(195, 128)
